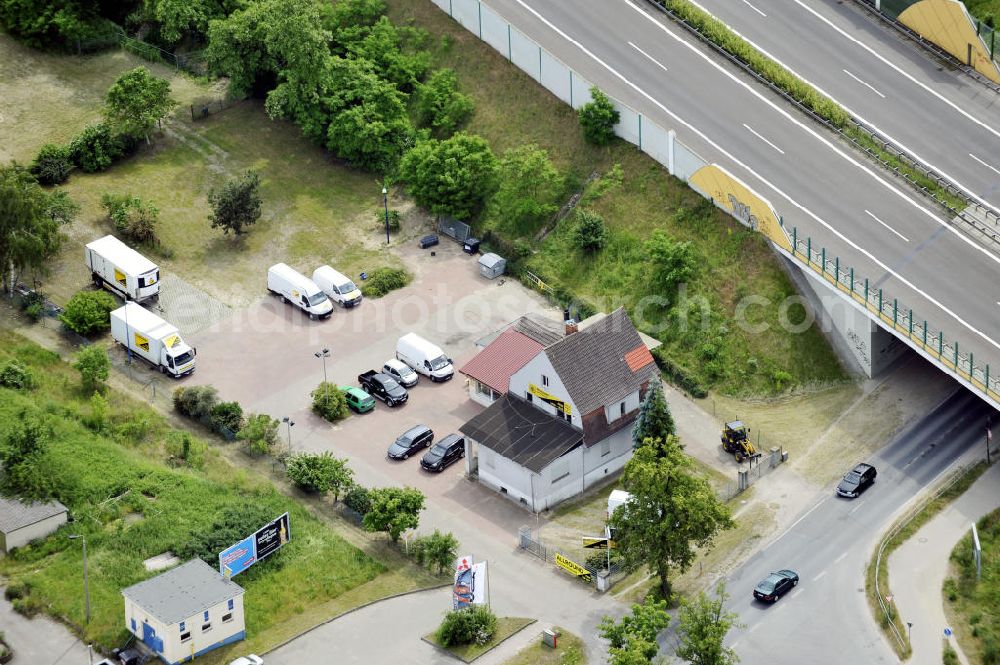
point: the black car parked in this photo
(857, 480)
(445, 452)
(410, 442)
(776, 585)
(383, 386)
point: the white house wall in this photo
(532, 372)
(613, 412)
(536, 491)
(175, 651)
(598, 466)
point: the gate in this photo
(526, 542)
(453, 228)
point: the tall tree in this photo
(703, 628)
(394, 510)
(635, 634)
(451, 177)
(654, 420)
(29, 223)
(22, 455)
(237, 204)
(137, 101)
(529, 189)
(672, 511)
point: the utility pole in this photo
(323, 355)
(86, 580)
(385, 201)
(989, 438)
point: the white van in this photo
(334, 284)
(296, 288)
(424, 357)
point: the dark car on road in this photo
(445, 452)
(857, 481)
(410, 442)
(383, 386)
(776, 585)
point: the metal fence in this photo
(205, 106)
(193, 62)
(527, 542)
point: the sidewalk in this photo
(40, 640)
(918, 567)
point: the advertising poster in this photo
(471, 583)
(265, 541)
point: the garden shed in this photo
(492, 265)
(24, 521)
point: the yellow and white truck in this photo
(152, 339)
(119, 268)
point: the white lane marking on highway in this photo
(774, 187)
(992, 168)
(651, 58)
(855, 508)
(819, 576)
(754, 8)
(839, 558)
(872, 215)
(867, 85)
(968, 192)
(764, 180)
(751, 130)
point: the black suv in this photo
(857, 480)
(445, 452)
(410, 442)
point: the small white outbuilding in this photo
(24, 521)
(492, 265)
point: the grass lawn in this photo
(512, 109)
(506, 627)
(113, 475)
(569, 652)
(972, 607)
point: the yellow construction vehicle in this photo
(736, 440)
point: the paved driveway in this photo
(263, 357)
(40, 640)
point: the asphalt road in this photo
(945, 119)
(826, 617)
(871, 222)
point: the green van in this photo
(358, 399)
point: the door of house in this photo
(150, 638)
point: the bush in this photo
(394, 219)
(358, 499)
(590, 234)
(52, 164)
(33, 305)
(472, 625)
(183, 448)
(259, 433)
(227, 416)
(383, 280)
(440, 105)
(673, 262)
(133, 218)
(598, 118)
(89, 312)
(233, 525)
(15, 375)
(94, 366)
(319, 474)
(329, 402)
(96, 148)
(196, 402)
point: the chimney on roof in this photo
(569, 322)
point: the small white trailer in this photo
(152, 339)
(119, 268)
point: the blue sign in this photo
(239, 557)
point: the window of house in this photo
(229, 604)
(182, 626)
(482, 388)
(186, 637)
(206, 615)
(545, 380)
(528, 396)
(226, 618)
(205, 627)
(605, 447)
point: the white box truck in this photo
(424, 357)
(334, 284)
(119, 268)
(294, 287)
(152, 339)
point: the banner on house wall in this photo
(561, 405)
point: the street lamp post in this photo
(323, 355)
(86, 580)
(291, 423)
(385, 202)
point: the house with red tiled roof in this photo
(560, 414)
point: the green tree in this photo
(654, 420)
(17, 376)
(196, 402)
(381, 44)
(440, 550)
(393, 510)
(451, 177)
(590, 234)
(235, 522)
(237, 204)
(22, 458)
(673, 263)
(133, 218)
(259, 433)
(30, 221)
(137, 101)
(529, 189)
(52, 164)
(598, 118)
(96, 147)
(672, 511)
(703, 628)
(637, 632)
(440, 105)
(354, 14)
(89, 312)
(320, 473)
(329, 402)
(93, 365)
(177, 18)
(227, 416)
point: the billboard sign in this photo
(471, 584)
(265, 541)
